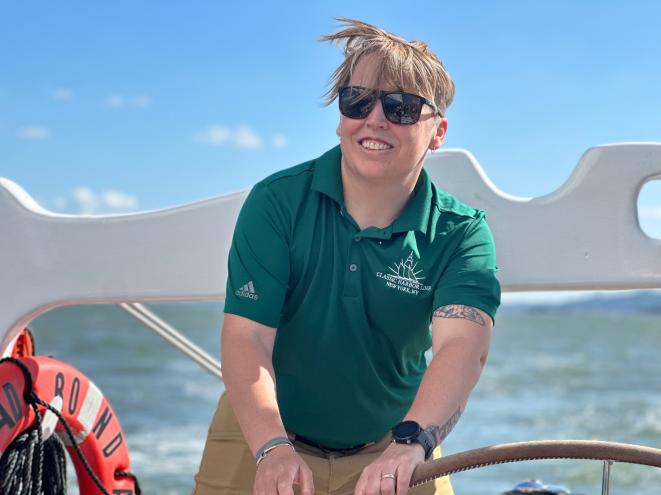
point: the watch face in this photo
(406, 429)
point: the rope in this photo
(23, 465)
(18, 464)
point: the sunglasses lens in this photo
(399, 108)
(356, 102)
(402, 108)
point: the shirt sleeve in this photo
(258, 263)
(470, 277)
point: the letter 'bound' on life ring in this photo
(90, 416)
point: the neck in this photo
(374, 203)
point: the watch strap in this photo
(425, 439)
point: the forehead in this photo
(369, 72)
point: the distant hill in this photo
(644, 301)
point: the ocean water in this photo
(550, 375)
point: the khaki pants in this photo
(228, 466)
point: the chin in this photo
(373, 169)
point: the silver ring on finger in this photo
(388, 475)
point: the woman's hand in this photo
(280, 470)
(399, 460)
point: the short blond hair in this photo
(409, 65)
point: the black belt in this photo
(330, 450)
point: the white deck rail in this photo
(585, 235)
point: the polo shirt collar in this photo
(327, 179)
(415, 215)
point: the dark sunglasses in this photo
(401, 108)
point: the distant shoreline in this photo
(636, 301)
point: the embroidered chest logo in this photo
(405, 276)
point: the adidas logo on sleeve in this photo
(248, 290)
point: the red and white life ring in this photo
(89, 414)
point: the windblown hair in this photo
(408, 65)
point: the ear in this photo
(337, 129)
(438, 138)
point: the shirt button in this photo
(353, 267)
(357, 238)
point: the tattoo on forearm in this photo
(438, 433)
(460, 311)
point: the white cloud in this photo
(116, 101)
(141, 101)
(34, 132)
(245, 137)
(279, 140)
(121, 101)
(650, 212)
(650, 220)
(62, 94)
(241, 137)
(60, 203)
(86, 201)
(214, 135)
(119, 201)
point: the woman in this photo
(337, 267)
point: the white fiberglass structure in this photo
(585, 235)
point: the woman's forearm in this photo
(445, 388)
(249, 379)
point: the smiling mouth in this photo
(371, 144)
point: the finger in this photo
(388, 486)
(285, 486)
(305, 480)
(373, 485)
(404, 474)
(360, 486)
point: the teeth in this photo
(374, 145)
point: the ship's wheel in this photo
(608, 452)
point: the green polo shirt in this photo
(352, 307)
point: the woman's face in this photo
(376, 149)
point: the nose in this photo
(376, 117)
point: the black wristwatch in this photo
(412, 432)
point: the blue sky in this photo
(123, 106)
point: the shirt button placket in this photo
(352, 279)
